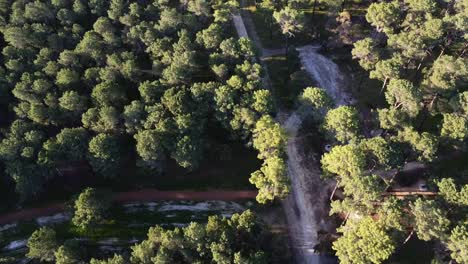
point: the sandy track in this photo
(306, 207)
(325, 72)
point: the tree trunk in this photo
(313, 9)
(409, 236)
(343, 5)
(419, 66)
(463, 51)
(334, 190)
(389, 184)
(286, 52)
(383, 86)
(346, 218)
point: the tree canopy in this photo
(95, 80)
(217, 241)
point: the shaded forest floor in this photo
(146, 195)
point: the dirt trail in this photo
(306, 206)
(273, 52)
(325, 72)
(146, 195)
(239, 25)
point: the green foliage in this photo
(116, 259)
(42, 244)
(149, 145)
(316, 98)
(410, 44)
(448, 73)
(66, 77)
(458, 243)
(74, 102)
(430, 220)
(449, 191)
(349, 164)
(102, 119)
(344, 161)
(425, 6)
(391, 118)
(417, 49)
(263, 101)
(392, 214)
(188, 151)
(424, 145)
(387, 69)
(366, 52)
(19, 149)
(342, 124)
(108, 93)
(455, 126)
(68, 253)
(290, 20)
(150, 92)
(90, 208)
(383, 152)
(364, 189)
(71, 144)
(402, 94)
(363, 241)
(105, 154)
(214, 242)
(134, 116)
(211, 37)
(271, 180)
(425, 76)
(268, 138)
(384, 16)
(162, 73)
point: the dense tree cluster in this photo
(42, 244)
(417, 52)
(91, 208)
(87, 77)
(240, 239)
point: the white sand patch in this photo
(190, 206)
(203, 206)
(112, 249)
(177, 224)
(8, 226)
(112, 241)
(53, 219)
(240, 27)
(109, 241)
(227, 215)
(17, 244)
